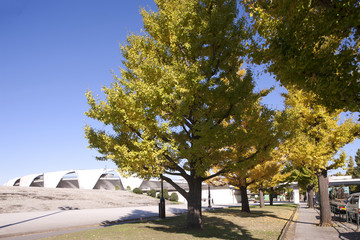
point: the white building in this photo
(110, 179)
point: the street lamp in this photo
(162, 200)
(209, 196)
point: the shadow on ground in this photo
(255, 213)
(215, 225)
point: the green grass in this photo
(262, 223)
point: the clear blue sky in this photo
(51, 52)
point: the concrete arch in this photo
(69, 180)
(132, 182)
(27, 180)
(109, 180)
(88, 178)
(38, 181)
(52, 179)
(12, 182)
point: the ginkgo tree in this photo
(256, 136)
(168, 113)
(305, 178)
(314, 45)
(267, 176)
(254, 163)
(315, 138)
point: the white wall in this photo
(218, 197)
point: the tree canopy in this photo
(172, 109)
(313, 45)
(315, 134)
(314, 138)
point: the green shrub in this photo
(152, 193)
(166, 194)
(137, 191)
(174, 197)
(117, 187)
(128, 188)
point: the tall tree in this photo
(250, 150)
(312, 44)
(168, 112)
(354, 171)
(306, 179)
(264, 177)
(350, 167)
(316, 138)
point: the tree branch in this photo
(224, 170)
(173, 173)
(182, 172)
(177, 187)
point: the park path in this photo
(306, 227)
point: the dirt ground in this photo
(30, 199)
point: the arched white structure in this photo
(132, 182)
(88, 178)
(26, 181)
(12, 182)
(83, 179)
(52, 179)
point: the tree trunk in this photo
(244, 199)
(194, 216)
(310, 192)
(325, 213)
(261, 197)
(271, 196)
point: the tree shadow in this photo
(135, 215)
(43, 216)
(67, 208)
(252, 214)
(350, 236)
(214, 227)
(140, 215)
(30, 219)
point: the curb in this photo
(287, 224)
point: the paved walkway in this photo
(16, 224)
(306, 227)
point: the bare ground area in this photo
(30, 199)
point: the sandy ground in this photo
(26, 199)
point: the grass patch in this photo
(230, 223)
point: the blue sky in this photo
(51, 52)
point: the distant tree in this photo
(306, 179)
(165, 194)
(256, 174)
(315, 139)
(339, 174)
(152, 193)
(174, 197)
(254, 154)
(350, 167)
(264, 177)
(138, 191)
(354, 171)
